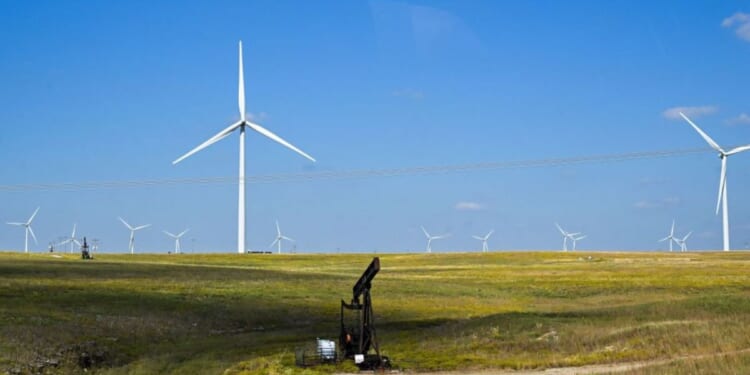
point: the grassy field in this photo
(232, 314)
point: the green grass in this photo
(235, 314)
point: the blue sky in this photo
(111, 91)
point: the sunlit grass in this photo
(247, 313)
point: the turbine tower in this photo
(279, 237)
(670, 237)
(683, 242)
(176, 239)
(241, 125)
(566, 236)
(722, 178)
(27, 225)
(431, 238)
(72, 239)
(484, 240)
(131, 244)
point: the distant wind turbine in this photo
(72, 239)
(575, 239)
(431, 238)
(27, 224)
(241, 124)
(131, 244)
(722, 178)
(176, 239)
(683, 242)
(566, 236)
(279, 237)
(669, 238)
(484, 240)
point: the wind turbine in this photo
(131, 244)
(430, 238)
(484, 240)
(28, 230)
(241, 124)
(576, 239)
(722, 178)
(176, 239)
(279, 237)
(72, 239)
(566, 236)
(670, 237)
(683, 242)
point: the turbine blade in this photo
(686, 236)
(169, 234)
(278, 229)
(241, 89)
(217, 137)
(126, 224)
(32, 234)
(722, 182)
(63, 242)
(76, 242)
(738, 150)
(278, 139)
(19, 224)
(425, 232)
(479, 238)
(287, 238)
(671, 232)
(705, 136)
(560, 229)
(73, 235)
(489, 234)
(183, 233)
(142, 226)
(274, 242)
(663, 239)
(580, 238)
(32, 216)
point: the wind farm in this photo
(508, 171)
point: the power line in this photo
(358, 173)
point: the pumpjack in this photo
(357, 334)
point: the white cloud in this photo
(674, 112)
(743, 118)
(469, 206)
(257, 116)
(409, 93)
(742, 22)
(666, 202)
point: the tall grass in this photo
(148, 314)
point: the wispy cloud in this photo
(674, 112)
(469, 206)
(743, 118)
(654, 204)
(409, 93)
(260, 116)
(741, 24)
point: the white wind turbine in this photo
(72, 239)
(575, 239)
(431, 238)
(131, 244)
(241, 124)
(176, 239)
(279, 237)
(722, 178)
(484, 239)
(670, 238)
(28, 230)
(683, 242)
(566, 236)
